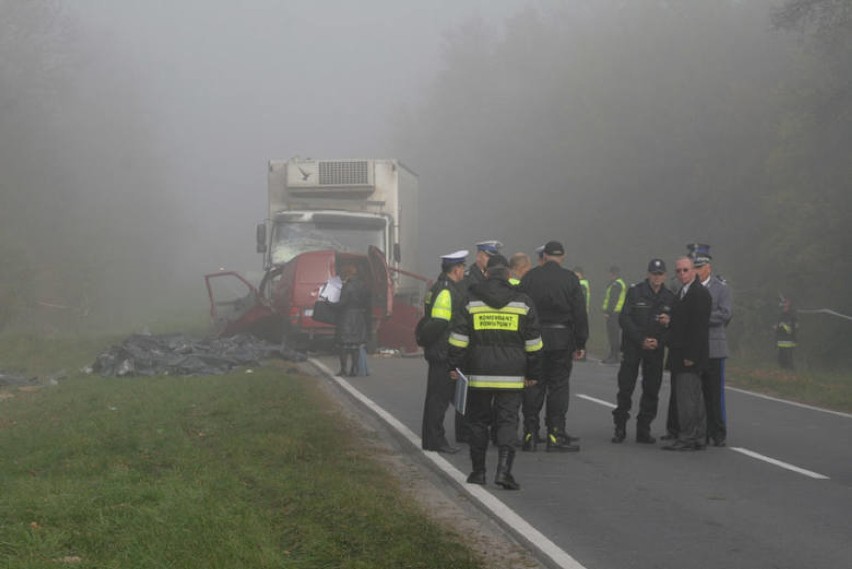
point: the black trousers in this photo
(713, 387)
(439, 393)
(651, 362)
(494, 408)
(554, 388)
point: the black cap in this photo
(554, 248)
(657, 266)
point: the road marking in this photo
(598, 401)
(533, 537)
(786, 465)
(793, 403)
(746, 452)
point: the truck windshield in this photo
(346, 234)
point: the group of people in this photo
(692, 324)
(514, 331)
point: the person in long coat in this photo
(352, 330)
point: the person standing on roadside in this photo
(496, 342)
(785, 334)
(643, 320)
(689, 355)
(443, 301)
(352, 330)
(713, 380)
(616, 292)
(561, 307)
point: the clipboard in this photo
(460, 397)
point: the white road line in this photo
(598, 401)
(786, 465)
(793, 403)
(746, 452)
(498, 508)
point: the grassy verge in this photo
(237, 471)
(832, 390)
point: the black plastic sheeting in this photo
(179, 354)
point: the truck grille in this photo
(350, 173)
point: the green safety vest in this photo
(619, 304)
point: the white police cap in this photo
(491, 247)
(539, 250)
(459, 256)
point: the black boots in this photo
(558, 441)
(477, 457)
(504, 478)
(620, 434)
(529, 442)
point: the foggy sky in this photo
(224, 88)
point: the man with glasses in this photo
(689, 355)
(643, 320)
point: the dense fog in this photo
(134, 139)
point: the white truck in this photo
(324, 214)
(345, 205)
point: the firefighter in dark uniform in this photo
(496, 342)
(443, 301)
(561, 307)
(643, 327)
(474, 275)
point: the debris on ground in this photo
(179, 354)
(11, 379)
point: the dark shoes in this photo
(619, 435)
(669, 437)
(560, 442)
(645, 438)
(529, 442)
(476, 477)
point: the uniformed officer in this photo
(519, 265)
(643, 320)
(443, 301)
(559, 301)
(713, 379)
(484, 250)
(496, 342)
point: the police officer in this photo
(713, 379)
(559, 301)
(484, 250)
(496, 342)
(443, 301)
(643, 321)
(616, 292)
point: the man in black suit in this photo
(689, 356)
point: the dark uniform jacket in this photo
(638, 318)
(561, 306)
(496, 339)
(689, 330)
(443, 301)
(473, 276)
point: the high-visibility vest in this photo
(622, 294)
(584, 283)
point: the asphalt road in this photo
(778, 496)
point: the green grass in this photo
(832, 390)
(236, 471)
